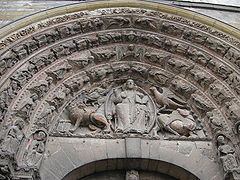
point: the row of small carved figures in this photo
(27, 75)
(38, 63)
(22, 76)
(21, 51)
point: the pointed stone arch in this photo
(48, 59)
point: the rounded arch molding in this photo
(63, 71)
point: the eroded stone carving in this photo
(59, 97)
(201, 104)
(130, 36)
(217, 46)
(20, 51)
(63, 31)
(25, 109)
(103, 56)
(77, 83)
(172, 29)
(10, 59)
(85, 112)
(201, 77)
(40, 62)
(228, 158)
(41, 87)
(86, 43)
(4, 172)
(165, 102)
(31, 46)
(97, 74)
(44, 118)
(219, 93)
(156, 57)
(92, 24)
(153, 40)
(35, 149)
(46, 38)
(160, 77)
(139, 70)
(173, 116)
(109, 37)
(4, 101)
(123, 109)
(80, 62)
(194, 36)
(182, 88)
(233, 56)
(198, 56)
(234, 82)
(6, 96)
(58, 74)
(146, 23)
(179, 66)
(232, 111)
(20, 79)
(236, 128)
(219, 69)
(215, 119)
(129, 52)
(119, 22)
(59, 51)
(170, 45)
(120, 69)
(132, 175)
(180, 122)
(131, 109)
(13, 138)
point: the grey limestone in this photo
(133, 147)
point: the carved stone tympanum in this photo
(123, 77)
(125, 108)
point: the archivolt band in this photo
(129, 87)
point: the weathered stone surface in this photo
(120, 88)
(133, 147)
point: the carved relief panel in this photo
(117, 73)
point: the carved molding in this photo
(51, 75)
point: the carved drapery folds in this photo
(129, 73)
